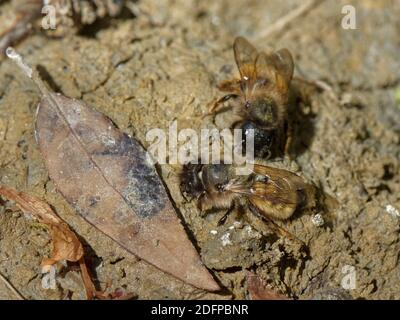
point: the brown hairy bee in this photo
(261, 95)
(272, 193)
(71, 15)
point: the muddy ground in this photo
(146, 71)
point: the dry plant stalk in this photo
(66, 245)
(284, 21)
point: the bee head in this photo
(197, 179)
(215, 177)
(191, 182)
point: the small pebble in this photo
(226, 239)
(237, 224)
(392, 210)
(317, 220)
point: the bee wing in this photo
(275, 194)
(245, 57)
(284, 63)
(276, 67)
(265, 67)
(273, 202)
(284, 178)
(278, 195)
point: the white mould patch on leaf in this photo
(107, 140)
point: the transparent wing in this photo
(275, 67)
(274, 192)
(245, 57)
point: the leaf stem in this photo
(31, 73)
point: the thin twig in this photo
(282, 22)
(10, 286)
(19, 30)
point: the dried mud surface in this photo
(147, 71)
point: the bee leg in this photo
(275, 227)
(283, 232)
(289, 139)
(225, 216)
(215, 105)
(266, 154)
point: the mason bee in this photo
(272, 193)
(261, 96)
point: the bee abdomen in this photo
(272, 209)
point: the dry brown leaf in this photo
(259, 290)
(109, 179)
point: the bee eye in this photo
(247, 104)
(220, 187)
